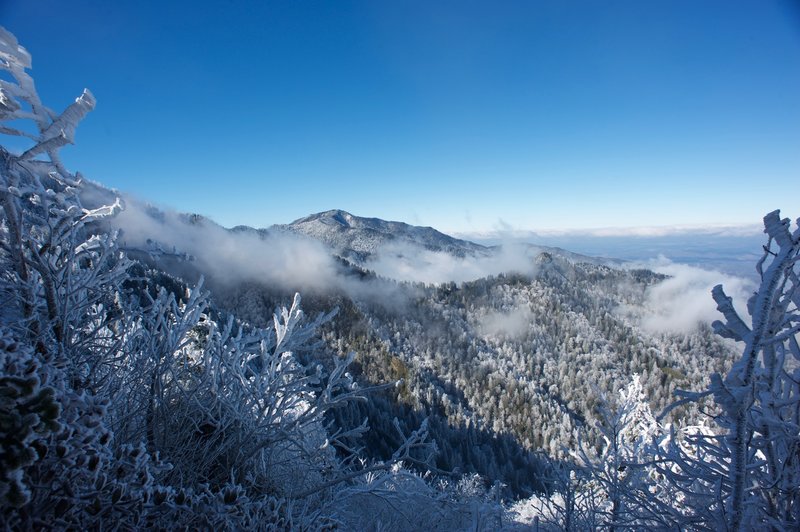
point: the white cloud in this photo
(405, 262)
(276, 259)
(511, 324)
(684, 299)
(677, 303)
(229, 256)
(505, 231)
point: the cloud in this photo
(672, 230)
(730, 249)
(503, 230)
(511, 324)
(299, 263)
(681, 301)
(408, 262)
(228, 256)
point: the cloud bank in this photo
(228, 256)
(300, 263)
(405, 262)
(684, 299)
(506, 231)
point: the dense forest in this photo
(139, 390)
(508, 360)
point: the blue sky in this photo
(463, 115)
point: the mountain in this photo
(311, 250)
(357, 238)
(135, 396)
(497, 358)
(507, 369)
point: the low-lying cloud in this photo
(407, 262)
(510, 324)
(300, 263)
(228, 256)
(684, 299)
(506, 231)
(675, 304)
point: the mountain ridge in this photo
(357, 238)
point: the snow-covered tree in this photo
(126, 398)
(622, 471)
(743, 471)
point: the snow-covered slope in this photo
(357, 238)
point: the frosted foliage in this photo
(748, 469)
(738, 469)
(131, 400)
(126, 399)
(639, 424)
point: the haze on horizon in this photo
(470, 117)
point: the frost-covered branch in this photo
(748, 473)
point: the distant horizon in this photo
(723, 248)
(502, 230)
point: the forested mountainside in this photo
(526, 357)
(147, 379)
(361, 240)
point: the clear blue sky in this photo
(455, 114)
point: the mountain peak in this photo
(337, 216)
(357, 237)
